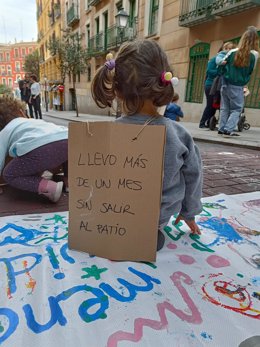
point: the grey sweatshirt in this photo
(182, 180)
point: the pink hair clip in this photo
(167, 78)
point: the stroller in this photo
(242, 123)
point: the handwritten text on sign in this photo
(115, 188)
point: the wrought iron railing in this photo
(194, 12)
(111, 38)
(72, 15)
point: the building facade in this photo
(12, 58)
(49, 21)
(190, 31)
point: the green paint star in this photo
(57, 218)
(93, 271)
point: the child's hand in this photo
(191, 224)
(223, 62)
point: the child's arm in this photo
(179, 111)
(192, 172)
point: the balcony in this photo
(195, 12)
(57, 10)
(72, 15)
(112, 38)
(228, 7)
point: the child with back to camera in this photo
(173, 111)
(140, 77)
(35, 145)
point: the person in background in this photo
(239, 64)
(35, 98)
(211, 74)
(36, 146)
(142, 88)
(173, 111)
(25, 89)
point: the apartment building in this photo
(49, 21)
(12, 57)
(190, 31)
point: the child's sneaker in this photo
(50, 189)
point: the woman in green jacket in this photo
(239, 65)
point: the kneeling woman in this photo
(35, 146)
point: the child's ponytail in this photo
(102, 85)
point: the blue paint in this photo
(54, 262)
(11, 274)
(85, 309)
(13, 322)
(206, 335)
(222, 228)
(56, 311)
(25, 235)
(64, 254)
(132, 289)
(256, 281)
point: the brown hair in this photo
(249, 41)
(10, 109)
(228, 45)
(136, 77)
(175, 97)
(34, 77)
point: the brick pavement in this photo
(227, 169)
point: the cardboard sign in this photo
(115, 187)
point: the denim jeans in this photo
(231, 106)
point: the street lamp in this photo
(45, 93)
(121, 22)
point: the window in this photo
(17, 66)
(153, 20)
(97, 25)
(30, 50)
(9, 70)
(1, 57)
(105, 21)
(89, 73)
(16, 53)
(4, 81)
(23, 52)
(10, 82)
(88, 36)
(7, 56)
(199, 56)
(119, 5)
(132, 13)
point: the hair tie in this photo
(110, 62)
(167, 78)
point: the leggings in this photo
(25, 172)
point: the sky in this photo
(18, 21)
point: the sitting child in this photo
(173, 111)
(35, 145)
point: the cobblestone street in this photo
(229, 169)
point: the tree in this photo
(32, 63)
(5, 90)
(71, 57)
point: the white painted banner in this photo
(202, 291)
